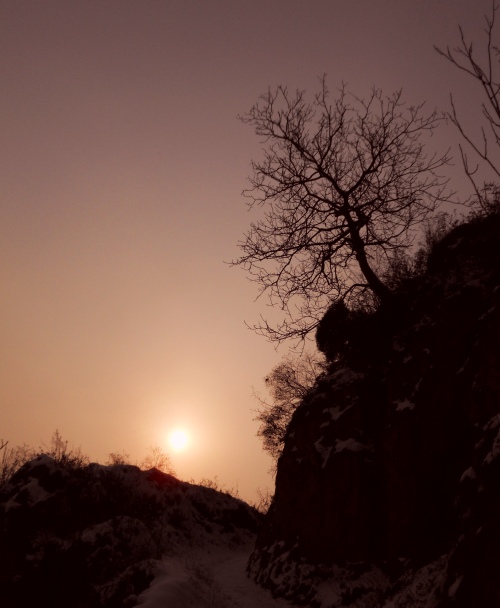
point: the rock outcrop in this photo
(388, 489)
(93, 536)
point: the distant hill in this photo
(388, 489)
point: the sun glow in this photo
(178, 440)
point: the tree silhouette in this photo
(343, 184)
(487, 75)
(288, 383)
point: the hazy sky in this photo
(122, 165)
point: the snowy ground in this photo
(122, 526)
(204, 577)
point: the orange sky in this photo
(122, 163)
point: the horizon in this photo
(122, 173)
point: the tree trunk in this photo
(374, 283)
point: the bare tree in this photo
(265, 499)
(344, 183)
(487, 74)
(288, 383)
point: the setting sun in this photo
(178, 440)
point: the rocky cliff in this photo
(388, 489)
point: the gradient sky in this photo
(122, 165)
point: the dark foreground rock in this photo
(92, 536)
(388, 489)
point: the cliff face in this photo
(388, 489)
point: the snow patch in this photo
(468, 474)
(424, 322)
(397, 346)
(488, 312)
(405, 404)
(207, 577)
(493, 423)
(341, 445)
(462, 369)
(172, 586)
(454, 587)
(418, 588)
(345, 375)
(494, 453)
(335, 413)
(417, 387)
(323, 451)
(34, 493)
(350, 444)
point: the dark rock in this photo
(90, 536)
(373, 460)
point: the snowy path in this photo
(207, 578)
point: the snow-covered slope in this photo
(91, 536)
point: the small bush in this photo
(69, 458)
(12, 459)
(157, 459)
(265, 498)
(118, 458)
(215, 484)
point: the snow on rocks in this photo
(404, 404)
(493, 426)
(323, 451)
(351, 445)
(103, 533)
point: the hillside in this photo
(388, 489)
(116, 536)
